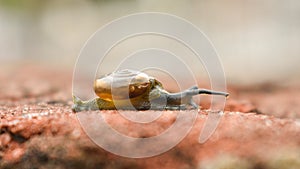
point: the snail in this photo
(129, 89)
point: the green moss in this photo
(226, 161)
(285, 160)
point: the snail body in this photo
(129, 89)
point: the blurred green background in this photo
(257, 40)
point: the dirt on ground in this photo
(259, 129)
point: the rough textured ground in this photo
(260, 128)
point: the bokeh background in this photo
(258, 41)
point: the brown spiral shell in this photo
(123, 84)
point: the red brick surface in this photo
(260, 129)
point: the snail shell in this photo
(123, 84)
